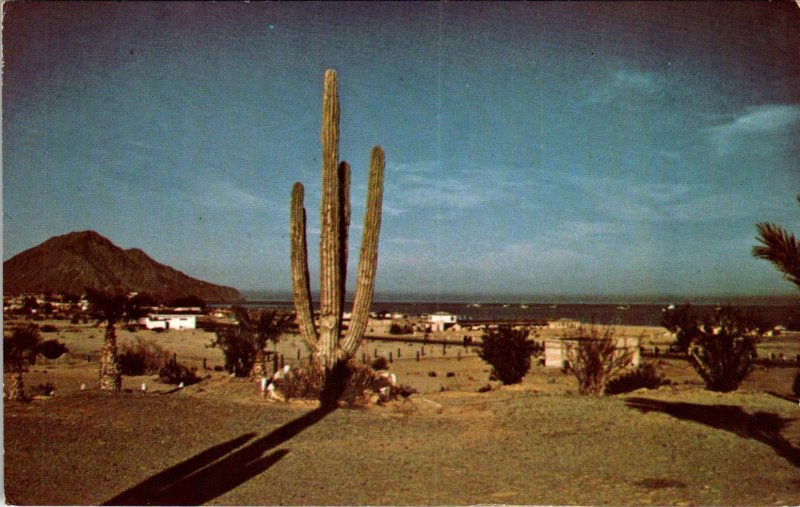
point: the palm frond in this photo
(781, 248)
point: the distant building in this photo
(440, 321)
(564, 324)
(559, 351)
(170, 321)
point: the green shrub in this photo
(44, 389)
(380, 363)
(52, 349)
(396, 328)
(644, 376)
(723, 346)
(175, 373)
(509, 352)
(237, 346)
(243, 344)
(142, 357)
(352, 383)
(595, 360)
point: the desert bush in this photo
(509, 352)
(237, 347)
(352, 383)
(175, 373)
(244, 344)
(644, 376)
(380, 363)
(396, 328)
(722, 348)
(596, 359)
(49, 328)
(142, 357)
(44, 389)
(52, 349)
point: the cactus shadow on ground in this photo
(217, 470)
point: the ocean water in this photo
(640, 311)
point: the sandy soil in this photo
(219, 442)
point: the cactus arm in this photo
(344, 179)
(301, 291)
(368, 259)
(330, 222)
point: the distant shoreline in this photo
(255, 296)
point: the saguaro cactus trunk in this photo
(326, 342)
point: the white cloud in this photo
(770, 119)
(646, 82)
(407, 241)
(427, 184)
(224, 194)
(623, 83)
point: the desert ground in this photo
(220, 442)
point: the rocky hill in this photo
(69, 263)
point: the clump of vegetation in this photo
(350, 382)
(596, 359)
(142, 357)
(244, 345)
(44, 389)
(52, 349)
(20, 350)
(175, 373)
(237, 347)
(680, 322)
(380, 363)
(781, 248)
(509, 352)
(722, 347)
(404, 328)
(49, 328)
(645, 376)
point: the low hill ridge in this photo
(76, 260)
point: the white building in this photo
(558, 351)
(564, 324)
(170, 321)
(440, 321)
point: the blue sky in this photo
(556, 148)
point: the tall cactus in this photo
(327, 343)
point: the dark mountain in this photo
(76, 260)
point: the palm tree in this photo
(20, 350)
(781, 248)
(245, 344)
(261, 327)
(112, 309)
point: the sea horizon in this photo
(256, 295)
